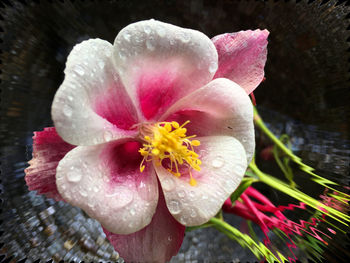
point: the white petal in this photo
(99, 180)
(91, 106)
(160, 63)
(219, 108)
(223, 166)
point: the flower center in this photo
(168, 140)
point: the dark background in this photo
(305, 94)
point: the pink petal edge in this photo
(157, 242)
(48, 150)
(242, 57)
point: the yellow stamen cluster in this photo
(169, 140)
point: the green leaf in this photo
(246, 182)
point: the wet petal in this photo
(223, 166)
(160, 63)
(220, 108)
(105, 181)
(48, 150)
(91, 106)
(157, 242)
(242, 57)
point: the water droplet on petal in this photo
(74, 176)
(160, 31)
(193, 213)
(192, 195)
(78, 69)
(218, 162)
(120, 197)
(101, 64)
(91, 204)
(147, 30)
(95, 189)
(107, 136)
(174, 207)
(108, 52)
(83, 193)
(213, 67)
(149, 44)
(168, 184)
(127, 36)
(184, 37)
(132, 211)
(181, 194)
(170, 238)
(67, 110)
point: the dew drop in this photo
(181, 194)
(183, 219)
(122, 55)
(150, 45)
(73, 176)
(67, 111)
(213, 67)
(193, 213)
(108, 52)
(91, 204)
(120, 197)
(83, 193)
(95, 189)
(147, 30)
(184, 37)
(174, 207)
(127, 36)
(168, 184)
(78, 69)
(191, 195)
(132, 211)
(107, 136)
(101, 64)
(170, 238)
(70, 98)
(160, 31)
(218, 162)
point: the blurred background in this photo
(305, 94)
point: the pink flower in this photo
(156, 134)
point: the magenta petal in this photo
(48, 150)
(160, 63)
(157, 242)
(242, 57)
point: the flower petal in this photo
(91, 106)
(105, 181)
(223, 166)
(219, 108)
(160, 63)
(242, 57)
(48, 150)
(157, 242)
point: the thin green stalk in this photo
(318, 179)
(297, 194)
(259, 250)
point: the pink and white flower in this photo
(126, 116)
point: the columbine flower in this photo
(163, 129)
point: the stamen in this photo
(168, 140)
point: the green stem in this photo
(308, 169)
(297, 194)
(259, 250)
